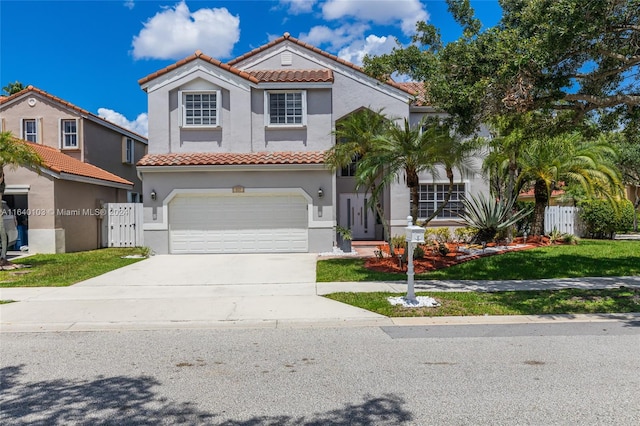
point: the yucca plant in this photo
(489, 216)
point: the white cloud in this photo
(177, 32)
(140, 125)
(372, 45)
(129, 4)
(405, 12)
(296, 7)
(335, 38)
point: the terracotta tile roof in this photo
(69, 105)
(228, 158)
(58, 162)
(294, 40)
(417, 89)
(199, 55)
(230, 66)
(293, 76)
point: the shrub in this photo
(464, 235)
(418, 252)
(488, 216)
(398, 241)
(603, 218)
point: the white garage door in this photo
(238, 223)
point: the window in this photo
(200, 109)
(30, 130)
(286, 108)
(129, 151)
(69, 136)
(350, 170)
(432, 196)
(133, 197)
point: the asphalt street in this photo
(525, 374)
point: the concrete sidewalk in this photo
(85, 307)
(221, 291)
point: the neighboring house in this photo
(66, 131)
(37, 116)
(60, 204)
(236, 152)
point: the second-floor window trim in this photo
(69, 133)
(30, 130)
(199, 108)
(285, 108)
(129, 151)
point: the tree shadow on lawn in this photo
(134, 401)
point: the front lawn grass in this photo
(541, 302)
(590, 258)
(60, 270)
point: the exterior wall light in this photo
(320, 192)
(153, 194)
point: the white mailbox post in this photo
(415, 235)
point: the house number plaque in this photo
(238, 189)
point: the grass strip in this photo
(60, 270)
(530, 302)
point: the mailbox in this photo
(415, 234)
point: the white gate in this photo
(122, 225)
(564, 219)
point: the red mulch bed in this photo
(432, 262)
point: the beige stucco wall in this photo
(62, 214)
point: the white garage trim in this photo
(238, 223)
(164, 225)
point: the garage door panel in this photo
(238, 224)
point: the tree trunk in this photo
(413, 182)
(542, 199)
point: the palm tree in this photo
(547, 163)
(452, 152)
(357, 136)
(13, 153)
(12, 88)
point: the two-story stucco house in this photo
(236, 153)
(89, 161)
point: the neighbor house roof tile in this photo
(59, 162)
(227, 158)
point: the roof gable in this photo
(68, 105)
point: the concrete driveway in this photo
(212, 269)
(185, 291)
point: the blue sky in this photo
(92, 53)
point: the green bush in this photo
(398, 241)
(464, 235)
(603, 218)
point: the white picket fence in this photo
(564, 219)
(122, 225)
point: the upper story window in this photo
(129, 151)
(286, 108)
(30, 130)
(69, 134)
(200, 108)
(433, 195)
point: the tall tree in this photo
(567, 55)
(13, 153)
(356, 136)
(549, 163)
(12, 88)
